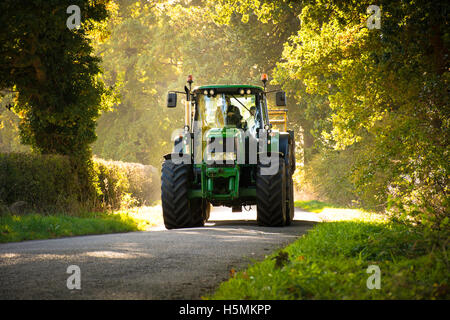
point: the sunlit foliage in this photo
(153, 47)
(52, 73)
(374, 100)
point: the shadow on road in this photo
(253, 223)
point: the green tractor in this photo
(228, 154)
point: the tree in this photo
(51, 70)
(386, 95)
(375, 100)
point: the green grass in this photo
(331, 260)
(313, 205)
(35, 226)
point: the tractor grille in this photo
(226, 145)
(229, 141)
(221, 186)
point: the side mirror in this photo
(280, 98)
(171, 100)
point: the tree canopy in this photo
(51, 74)
(375, 101)
(153, 47)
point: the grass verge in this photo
(35, 226)
(314, 205)
(331, 262)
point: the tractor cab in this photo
(227, 107)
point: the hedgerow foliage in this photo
(44, 182)
(53, 82)
(386, 94)
(126, 184)
(50, 184)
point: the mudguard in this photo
(287, 148)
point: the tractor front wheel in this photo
(178, 210)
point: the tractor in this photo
(228, 154)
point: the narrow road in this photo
(156, 264)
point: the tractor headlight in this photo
(221, 156)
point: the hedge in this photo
(50, 183)
(41, 181)
(126, 183)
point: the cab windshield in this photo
(225, 110)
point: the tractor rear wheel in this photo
(271, 196)
(178, 210)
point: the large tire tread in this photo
(178, 210)
(271, 197)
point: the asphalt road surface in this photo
(156, 264)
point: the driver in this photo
(234, 116)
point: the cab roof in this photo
(228, 87)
